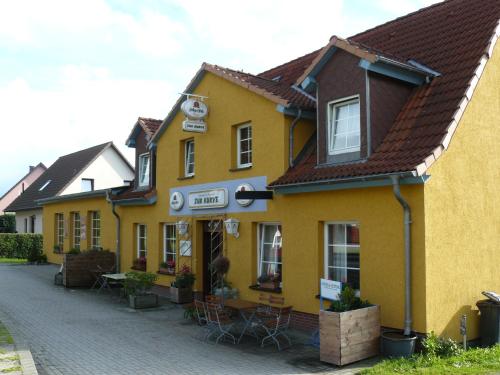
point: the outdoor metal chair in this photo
(276, 327)
(97, 274)
(219, 322)
(201, 312)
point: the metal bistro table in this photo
(111, 278)
(247, 310)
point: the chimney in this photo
(31, 168)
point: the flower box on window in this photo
(271, 281)
(139, 264)
(167, 268)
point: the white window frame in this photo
(144, 169)
(331, 110)
(87, 180)
(238, 145)
(326, 250)
(60, 230)
(95, 240)
(260, 242)
(165, 240)
(186, 158)
(77, 234)
(138, 235)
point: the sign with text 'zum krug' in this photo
(196, 111)
(213, 198)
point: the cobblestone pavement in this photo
(82, 332)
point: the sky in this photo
(74, 74)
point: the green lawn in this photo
(12, 260)
(474, 361)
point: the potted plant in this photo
(269, 281)
(57, 249)
(138, 286)
(139, 264)
(167, 268)
(349, 330)
(181, 290)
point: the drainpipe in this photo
(292, 128)
(407, 235)
(113, 209)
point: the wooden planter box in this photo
(77, 268)
(349, 336)
(181, 295)
(143, 301)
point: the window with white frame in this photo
(189, 158)
(76, 230)
(95, 229)
(270, 248)
(144, 169)
(342, 253)
(244, 145)
(59, 232)
(142, 241)
(87, 184)
(343, 126)
(169, 244)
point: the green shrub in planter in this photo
(138, 288)
(74, 251)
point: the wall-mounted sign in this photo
(185, 248)
(330, 289)
(197, 126)
(213, 198)
(244, 187)
(194, 109)
(176, 200)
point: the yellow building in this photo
(350, 155)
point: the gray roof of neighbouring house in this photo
(60, 174)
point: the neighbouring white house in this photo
(19, 187)
(95, 168)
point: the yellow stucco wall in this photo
(302, 216)
(83, 206)
(462, 205)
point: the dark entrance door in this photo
(213, 238)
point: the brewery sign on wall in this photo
(195, 111)
(213, 198)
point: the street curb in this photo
(25, 358)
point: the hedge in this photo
(21, 245)
(7, 224)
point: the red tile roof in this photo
(149, 125)
(455, 38)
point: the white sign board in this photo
(330, 289)
(194, 109)
(244, 202)
(176, 200)
(213, 198)
(196, 126)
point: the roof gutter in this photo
(70, 197)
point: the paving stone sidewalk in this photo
(82, 332)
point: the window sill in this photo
(241, 168)
(161, 272)
(142, 269)
(185, 178)
(258, 287)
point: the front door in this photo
(213, 240)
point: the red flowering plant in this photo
(168, 267)
(140, 263)
(185, 278)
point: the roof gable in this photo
(148, 125)
(60, 174)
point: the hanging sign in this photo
(195, 111)
(330, 289)
(176, 200)
(244, 187)
(213, 198)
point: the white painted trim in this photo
(138, 239)
(259, 244)
(238, 145)
(165, 241)
(140, 160)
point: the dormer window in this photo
(343, 126)
(144, 170)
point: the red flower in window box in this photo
(140, 264)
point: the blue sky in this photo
(78, 73)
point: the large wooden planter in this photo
(349, 336)
(78, 268)
(181, 295)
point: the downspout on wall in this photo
(407, 241)
(292, 128)
(118, 226)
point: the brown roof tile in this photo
(150, 125)
(451, 37)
